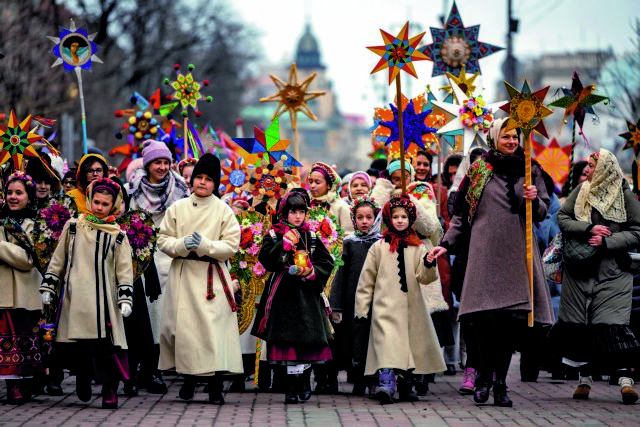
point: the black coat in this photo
(297, 314)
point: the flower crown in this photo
(366, 199)
(328, 172)
(405, 203)
(21, 176)
(186, 162)
(595, 156)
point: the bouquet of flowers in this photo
(245, 266)
(420, 190)
(48, 226)
(325, 226)
(143, 238)
(475, 115)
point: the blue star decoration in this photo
(413, 126)
(454, 46)
(74, 48)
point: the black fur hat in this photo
(209, 165)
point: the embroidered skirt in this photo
(21, 350)
(298, 353)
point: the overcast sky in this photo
(345, 27)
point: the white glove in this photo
(46, 297)
(125, 309)
(336, 316)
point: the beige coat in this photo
(95, 269)
(402, 334)
(340, 208)
(19, 279)
(199, 336)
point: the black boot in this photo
(150, 376)
(421, 384)
(320, 376)
(483, 384)
(405, 392)
(291, 396)
(188, 389)
(264, 377)
(305, 385)
(215, 390)
(500, 397)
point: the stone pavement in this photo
(546, 402)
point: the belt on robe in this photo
(213, 263)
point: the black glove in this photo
(152, 282)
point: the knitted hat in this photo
(209, 165)
(154, 150)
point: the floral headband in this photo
(399, 202)
(21, 176)
(186, 162)
(595, 156)
(364, 200)
(329, 174)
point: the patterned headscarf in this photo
(407, 237)
(604, 193)
(359, 175)
(112, 188)
(374, 231)
(333, 185)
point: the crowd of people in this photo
(427, 281)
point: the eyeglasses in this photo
(68, 182)
(95, 171)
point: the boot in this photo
(264, 378)
(386, 386)
(279, 384)
(14, 393)
(304, 388)
(320, 376)
(110, 396)
(150, 376)
(629, 395)
(584, 387)
(405, 392)
(500, 397)
(291, 396)
(83, 387)
(483, 385)
(215, 390)
(468, 381)
(421, 384)
(238, 385)
(332, 377)
(357, 374)
(188, 389)
(156, 385)
(56, 376)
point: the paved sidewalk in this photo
(546, 402)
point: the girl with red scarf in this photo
(402, 340)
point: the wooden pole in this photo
(528, 220)
(403, 172)
(296, 144)
(185, 129)
(571, 158)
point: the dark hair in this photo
(379, 164)
(426, 154)
(576, 171)
(107, 192)
(125, 196)
(365, 205)
(373, 172)
(84, 169)
(295, 202)
(475, 154)
(452, 160)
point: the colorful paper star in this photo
(414, 126)
(267, 144)
(398, 53)
(555, 160)
(74, 48)
(526, 110)
(579, 100)
(187, 90)
(463, 82)
(456, 45)
(234, 176)
(268, 183)
(443, 117)
(633, 137)
(18, 140)
(472, 115)
(293, 96)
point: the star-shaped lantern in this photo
(553, 158)
(74, 48)
(472, 115)
(415, 128)
(633, 137)
(578, 101)
(234, 176)
(292, 96)
(398, 53)
(267, 144)
(455, 46)
(526, 109)
(19, 140)
(464, 82)
(187, 90)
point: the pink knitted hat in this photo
(154, 150)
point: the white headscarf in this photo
(604, 192)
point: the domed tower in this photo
(308, 52)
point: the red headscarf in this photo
(407, 237)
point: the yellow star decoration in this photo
(293, 96)
(526, 110)
(465, 83)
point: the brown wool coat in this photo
(19, 278)
(496, 274)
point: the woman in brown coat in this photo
(489, 217)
